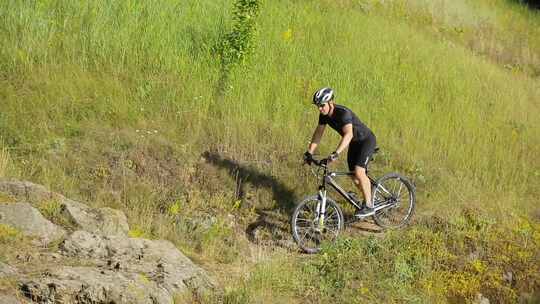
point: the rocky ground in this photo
(72, 253)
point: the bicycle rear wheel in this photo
(399, 196)
(306, 228)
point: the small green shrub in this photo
(237, 296)
(9, 235)
(175, 208)
(53, 210)
(421, 263)
(239, 42)
(137, 232)
(219, 242)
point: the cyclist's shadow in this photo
(272, 220)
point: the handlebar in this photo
(320, 162)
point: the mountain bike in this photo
(318, 218)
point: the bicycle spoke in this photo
(332, 221)
(314, 208)
(404, 197)
(331, 214)
(305, 234)
(300, 229)
(393, 188)
(382, 188)
(400, 198)
(304, 225)
(304, 222)
(309, 231)
(399, 191)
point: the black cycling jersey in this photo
(342, 116)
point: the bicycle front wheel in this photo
(396, 195)
(308, 231)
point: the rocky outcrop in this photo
(92, 285)
(158, 260)
(6, 271)
(8, 299)
(96, 262)
(29, 221)
(26, 191)
(103, 221)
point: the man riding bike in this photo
(354, 134)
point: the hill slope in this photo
(133, 105)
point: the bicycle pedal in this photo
(359, 215)
(365, 212)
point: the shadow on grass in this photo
(362, 226)
(274, 220)
(532, 4)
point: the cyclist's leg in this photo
(358, 159)
(354, 149)
(363, 184)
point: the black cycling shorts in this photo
(360, 152)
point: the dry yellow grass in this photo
(4, 161)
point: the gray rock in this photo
(6, 271)
(480, 299)
(26, 191)
(28, 220)
(117, 269)
(103, 221)
(91, 285)
(83, 244)
(8, 299)
(158, 260)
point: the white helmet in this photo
(323, 96)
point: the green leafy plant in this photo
(9, 234)
(138, 232)
(239, 42)
(175, 208)
(54, 211)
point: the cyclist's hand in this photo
(308, 158)
(332, 157)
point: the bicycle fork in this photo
(321, 208)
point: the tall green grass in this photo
(114, 102)
(118, 34)
(434, 107)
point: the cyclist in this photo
(354, 134)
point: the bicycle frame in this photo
(320, 218)
(329, 178)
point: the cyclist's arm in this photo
(316, 138)
(346, 138)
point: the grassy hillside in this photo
(131, 105)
